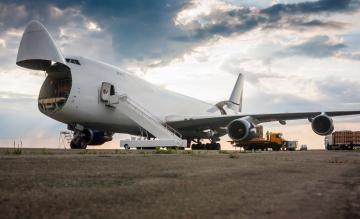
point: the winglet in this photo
(37, 48)
(235, 101)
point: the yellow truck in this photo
(274, 141)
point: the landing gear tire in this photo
(276, 148)
(213, 146)
(197, 147)
(194, 147)
(247, 148)
(78, 142)
(217, 146)
(208, 146)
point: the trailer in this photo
(342, 140)
(290, 145)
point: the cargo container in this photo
(342, 140)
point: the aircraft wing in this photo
(215, 122)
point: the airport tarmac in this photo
(116, 184)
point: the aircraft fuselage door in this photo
(105, 91)
(107, 94)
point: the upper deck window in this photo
(74, 61)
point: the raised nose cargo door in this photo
(37, 49)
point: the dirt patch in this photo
(312, 184)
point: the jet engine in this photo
(322, 125)
(89, 137)
(241, 130)
(96, 137)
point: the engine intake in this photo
(96, 137)
(322, 125)
(241, 130)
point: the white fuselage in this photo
(84, 107)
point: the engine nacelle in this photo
(322, 125)
(241, 130)
(96, 137)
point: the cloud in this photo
(12, 15)
(149, 33)
(234, 66)
(332, 94)
(8, 96)
(320, 46)
(266, 102)
(288, 16)
(138, 30)
(317, 47)
(293, 91)
(19, 113)
(321, 6)
(302, 24)
(339, 90)
(72, 30)
(349, 55)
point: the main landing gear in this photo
(79, 140)
(208, 146)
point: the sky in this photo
(296, 55)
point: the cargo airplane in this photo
(97, 100)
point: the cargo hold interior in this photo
(55, 89)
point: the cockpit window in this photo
(73, 61)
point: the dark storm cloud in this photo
(317, 47)
(16, 13)
(145, 31)
(289, 16)
(320, 6)
(222, 24)
(315, 23)
(140, 29)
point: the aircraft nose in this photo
(37, 48)
(34, 26)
